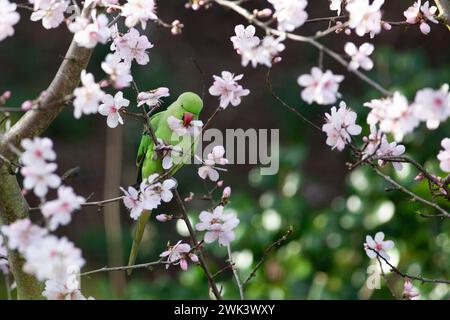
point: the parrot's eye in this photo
(187, 118)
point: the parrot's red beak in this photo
(187, 118)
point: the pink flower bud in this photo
(163, 217)
(104, 83)
(220, 183)
(183, 264)
(226, 193)
(194, 257)
(27, 105)
(419, 177)
(162, 91)
(348, 32)
(6, 95)
(265, 13)
(387, 26)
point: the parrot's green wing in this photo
(146, 160)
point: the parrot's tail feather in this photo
(140, 227)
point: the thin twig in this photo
(235, 273)
(265, 253)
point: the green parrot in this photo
(186, 108)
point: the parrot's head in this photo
(191, 103)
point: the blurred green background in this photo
(331, 210)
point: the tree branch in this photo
(12, 203)
(444, 11)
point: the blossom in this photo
(118, 71)
(169, 153)
(340, 126)
(51, 13)
(88, 96)
(52, 258)
(392, 149)
(335, 5)
(418, 13)
(290, 14)
(228, 90)
(432, 106)
(393, 114)
(152, 98)
(22, 233)
(218, 226)
(8, 18)
(245, 38)
(40, 177)
(321, 87)
(268, 50)
(359, 56)
(139, 11)
(208, 170)
(132, 201)
(444, 155)
(111, 108)
(409, 291)
(37, 150)
(67, 289)
(184, 127)
(4, 265)
(132, 46)
(59, 211)
(153, 193)
(89, 34)
(365, 17)
(378, 246)
(178, 254)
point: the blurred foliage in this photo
(324, 257)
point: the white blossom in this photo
(340, 126)
(218, 226)
(336, 5)
(139, 11)
(320, 87)
(52, 258)
(418, 13)
(51, 14)
(119, 71)
(152, 98)
(88, 96)
(178, 254)
(184, 127)
(378, 245)
(290, 14)
(22, 233)
(8, 18)
(89, 34)
(359, 56)
(364, 16)
(40, 177)
(111, 108)
(133, 202)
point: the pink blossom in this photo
(227, 88)
(40, 177)
(22, 233)
(359, 56)
(290, 14)
(133, 202)
(365, 17)
(178, 254)
(132, 46)
(444, 155)
(59, 211)
(51, 14)
(218, 226)
(118, 71)
(340, 126)
(38, 150)
(409, 291)
(432, 106)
